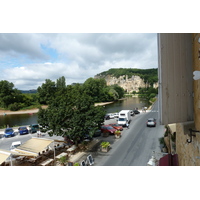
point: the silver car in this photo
(151, 122)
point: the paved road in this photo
(134, 148)
(136, 144)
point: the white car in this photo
(111, 115)
(151, 122)
(14, 145)
(116, 115)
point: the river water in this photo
(26, 119)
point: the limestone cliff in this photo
(128, 84)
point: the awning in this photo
(169, 160)
(34, 146)
(3, 156)
(172, 128)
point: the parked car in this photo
(151, 122)
(116, 115)
(23, 130)
(15, 145)
(136, 112)
(97, 133)
(107, 117)
(111, 115)
(132, 112)
(89, 135)
(33, 128)
(9, 132)
(116, 126)
(108, 129)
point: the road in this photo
(137, 143)
(134, 148)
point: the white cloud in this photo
(78, 56)
(26, 45)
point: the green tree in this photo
(72, 114)
(61, 83)
(95, 88)
(120, 91)
(9, 95)
(46, 92)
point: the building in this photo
(179, 92)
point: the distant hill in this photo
(29, 91)
(148, 75)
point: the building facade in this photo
(179, 93)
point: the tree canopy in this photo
(11, 98)
(73, 114)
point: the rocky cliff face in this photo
(128, 84)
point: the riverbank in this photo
(103, 103)
(29, 111)
(35, 110)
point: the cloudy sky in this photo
(28, 59)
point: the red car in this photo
(108, 129)
(116, 126)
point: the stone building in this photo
(179, 92)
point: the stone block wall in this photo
(188, 153)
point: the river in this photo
(26, 119)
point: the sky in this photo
(28, 59)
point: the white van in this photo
(122, 121)
(124, 116)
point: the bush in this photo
(14, 107)
(63, 160)
(76, 164)
(105, 144)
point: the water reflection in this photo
(18, 120)
(127, 104)
(26, 119)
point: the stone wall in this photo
(196, 83)
(188, 153)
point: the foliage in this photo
(118, 132)
(148, 93)
(63, 160)
(105, 144)
(46, 91)
(7, 93)
(14, 106)
(11, 98)
(61, 83)
(167, 131)
(100, 92)
(76, 164)
(72, 114)
(162, 141)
